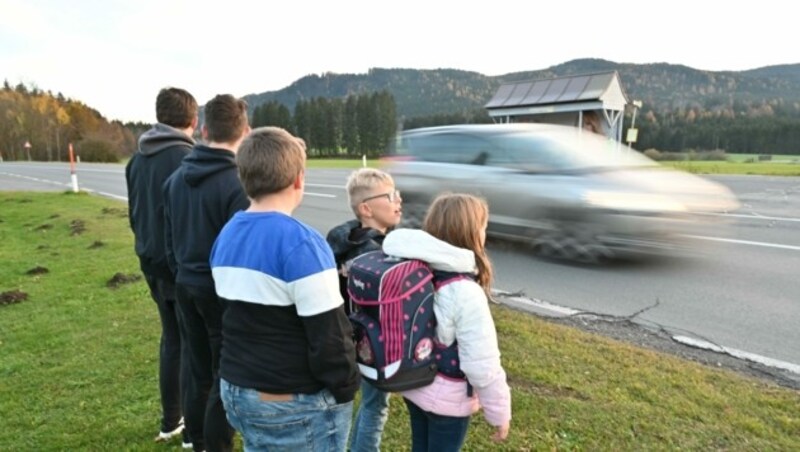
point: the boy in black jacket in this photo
(201, 196)
(160, 152)
(377, 206)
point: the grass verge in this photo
(734, 166)
(737, 167)
(78, 367)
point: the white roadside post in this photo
(73, 175)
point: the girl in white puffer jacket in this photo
(452, 240)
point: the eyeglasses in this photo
(392, 196)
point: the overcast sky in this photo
(115, 55)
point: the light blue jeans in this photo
(370, 419)
(308, 422)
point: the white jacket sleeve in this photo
(478, 352)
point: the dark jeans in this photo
(201, 312)
(433, 432)
(173, 371)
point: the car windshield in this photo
(564, 150)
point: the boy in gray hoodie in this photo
(161, 150)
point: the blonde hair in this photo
(361, 183)
(458, 219)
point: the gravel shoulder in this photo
(627, 330)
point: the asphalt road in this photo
(738, 289)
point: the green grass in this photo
(737, 167)
(340, 163)
(754, 157)
(78, 361)
(779, 166)
(322, 163)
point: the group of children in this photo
(287, 369)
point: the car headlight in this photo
(638, 202)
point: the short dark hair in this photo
(175, 107)
(226, 118)
(269, 160)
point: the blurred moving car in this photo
(570, 193)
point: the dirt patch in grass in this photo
(54, 216)
(120, 278)
(114, 211)
(77, 227)
(38, 270)
(12, 296)
(96, 244)
(521, 384)
(44, 227)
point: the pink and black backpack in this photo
(394, 325)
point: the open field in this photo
(779, 166)
(754, 157)
(78, 359)
(775, 168)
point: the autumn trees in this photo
(50, 122)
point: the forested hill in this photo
(660, 86)
(756, 110)
(416, 92)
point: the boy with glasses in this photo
(377, 207)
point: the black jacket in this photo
(160, 152)
(348, 241)
(200, 197)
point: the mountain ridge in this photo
(661, 86)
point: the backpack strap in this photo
(447, 357)
(443, 278)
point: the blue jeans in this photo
(370, 419)
(433, 432)
(307, 422)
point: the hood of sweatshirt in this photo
(160, 137)
(351, 235)
(440, 255)
(204, 162)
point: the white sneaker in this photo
(186, 445)
(166, 436)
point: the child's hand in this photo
(344, 270)
(501, 433)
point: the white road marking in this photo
(325, 186)
(771, 362)
(745, 242)
(319, 195)
(754, 216)
(124, 198)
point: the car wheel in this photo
(572, 241)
